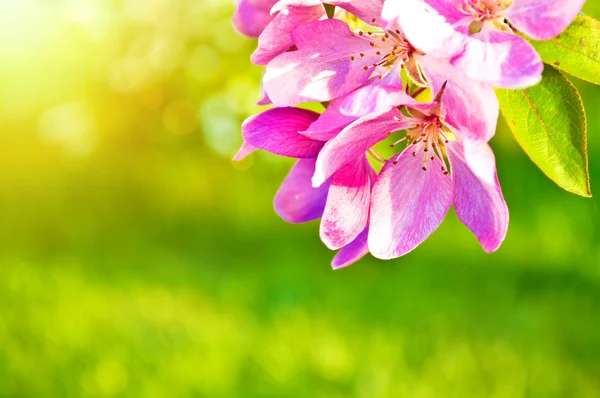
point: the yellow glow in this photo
(24, 25)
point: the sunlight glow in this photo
(24, 25)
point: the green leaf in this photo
(576, 51)
(549, 122)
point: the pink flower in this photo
(252, 16)
(492, 53)
(326, 65)
(539, 19)
(342, 201)
(415, 189)
(332, 61)
(276, 38)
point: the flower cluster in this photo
(415, 75)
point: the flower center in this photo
(484, 10)
(389, 45)
(428, 138)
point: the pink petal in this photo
(277, 36)
(407, 205)
(542, 20)
(366, 10)
(501, 59)
(252, 16)
(491, 56)
(264, 98)
(478, 199)
(424, 28)
(372, 97)
(347, 209)
(245, 150)
(284, 4)
(321, 69)
(355, 140)
(297, 201)
(470, 106)
(448, 9)
(276, 131)
(352, 252)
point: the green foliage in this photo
(576, 51)
(549, 122)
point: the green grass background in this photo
(136, 260)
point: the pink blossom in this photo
(539, 19)
(332, 61)
(439, 167)
(492, 53)
(276, 37)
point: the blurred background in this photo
(137, 260)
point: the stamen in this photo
(428, 139)
(397, 142)
(389, 46)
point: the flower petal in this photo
(407, 205)
(470, 107)
(322, 68)
(371, 97)
(501, 59)
(276, 131)
(448, 9)
(424, 28)
(543, 20)
(352, 252)
(245, 150)
(264, 98)
(297, 201)
(252, 16)
(478, 199)
(282, 5)
(366, 10)
(277, 36)
(347, 209)
(355, 140)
